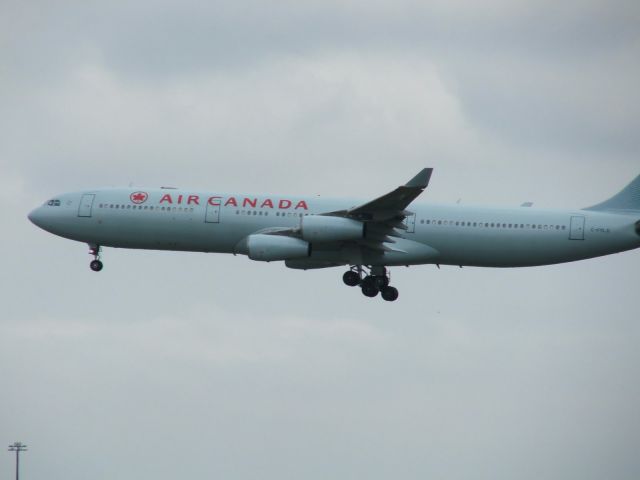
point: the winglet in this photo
(421, 180)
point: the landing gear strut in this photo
(95, 265)
(377, 281)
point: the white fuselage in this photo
(171, 219)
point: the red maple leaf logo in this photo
(139, 197)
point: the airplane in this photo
(367, 236)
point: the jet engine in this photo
(267, 248)
(319, 228)
(638, 227)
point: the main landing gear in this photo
(95, 265)
(377, 281)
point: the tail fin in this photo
(627, 200)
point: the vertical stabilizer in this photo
(627, 200)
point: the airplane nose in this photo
(35, 216)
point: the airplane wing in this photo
(391, 205)
(383, 216)
(386, 214)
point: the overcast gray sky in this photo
(174, 365)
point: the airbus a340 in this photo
(368, 236)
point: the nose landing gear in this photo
(95, 265)
(376, 282)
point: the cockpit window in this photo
(53, 203)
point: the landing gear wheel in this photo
(96, 265)
(382, 281)
(389, 294)
(370, 287)
(370, 290)
(351, 278)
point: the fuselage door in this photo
(577, 228)
(212, 214)
(86, 205)
(410, 223)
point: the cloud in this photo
(324, 111)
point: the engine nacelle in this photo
(638, 227)
(268, 248)
(320, 228)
